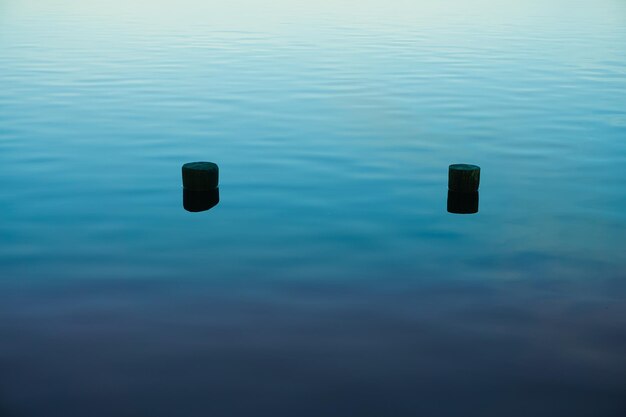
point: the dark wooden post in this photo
(463, 178)
(200, 181)
(200, 176)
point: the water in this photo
(329, 280)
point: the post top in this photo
(464, 167)
(200, 166)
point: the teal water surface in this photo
(330, 280)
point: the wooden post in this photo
(463, 178)
(200, 176)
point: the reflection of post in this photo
(196, 201)
(462, 203)
(200, 181)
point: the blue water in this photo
(330, 280)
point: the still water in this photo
(329, 280)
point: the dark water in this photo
(329, 280)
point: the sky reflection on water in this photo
(331, 278)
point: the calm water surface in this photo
(329, 280)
